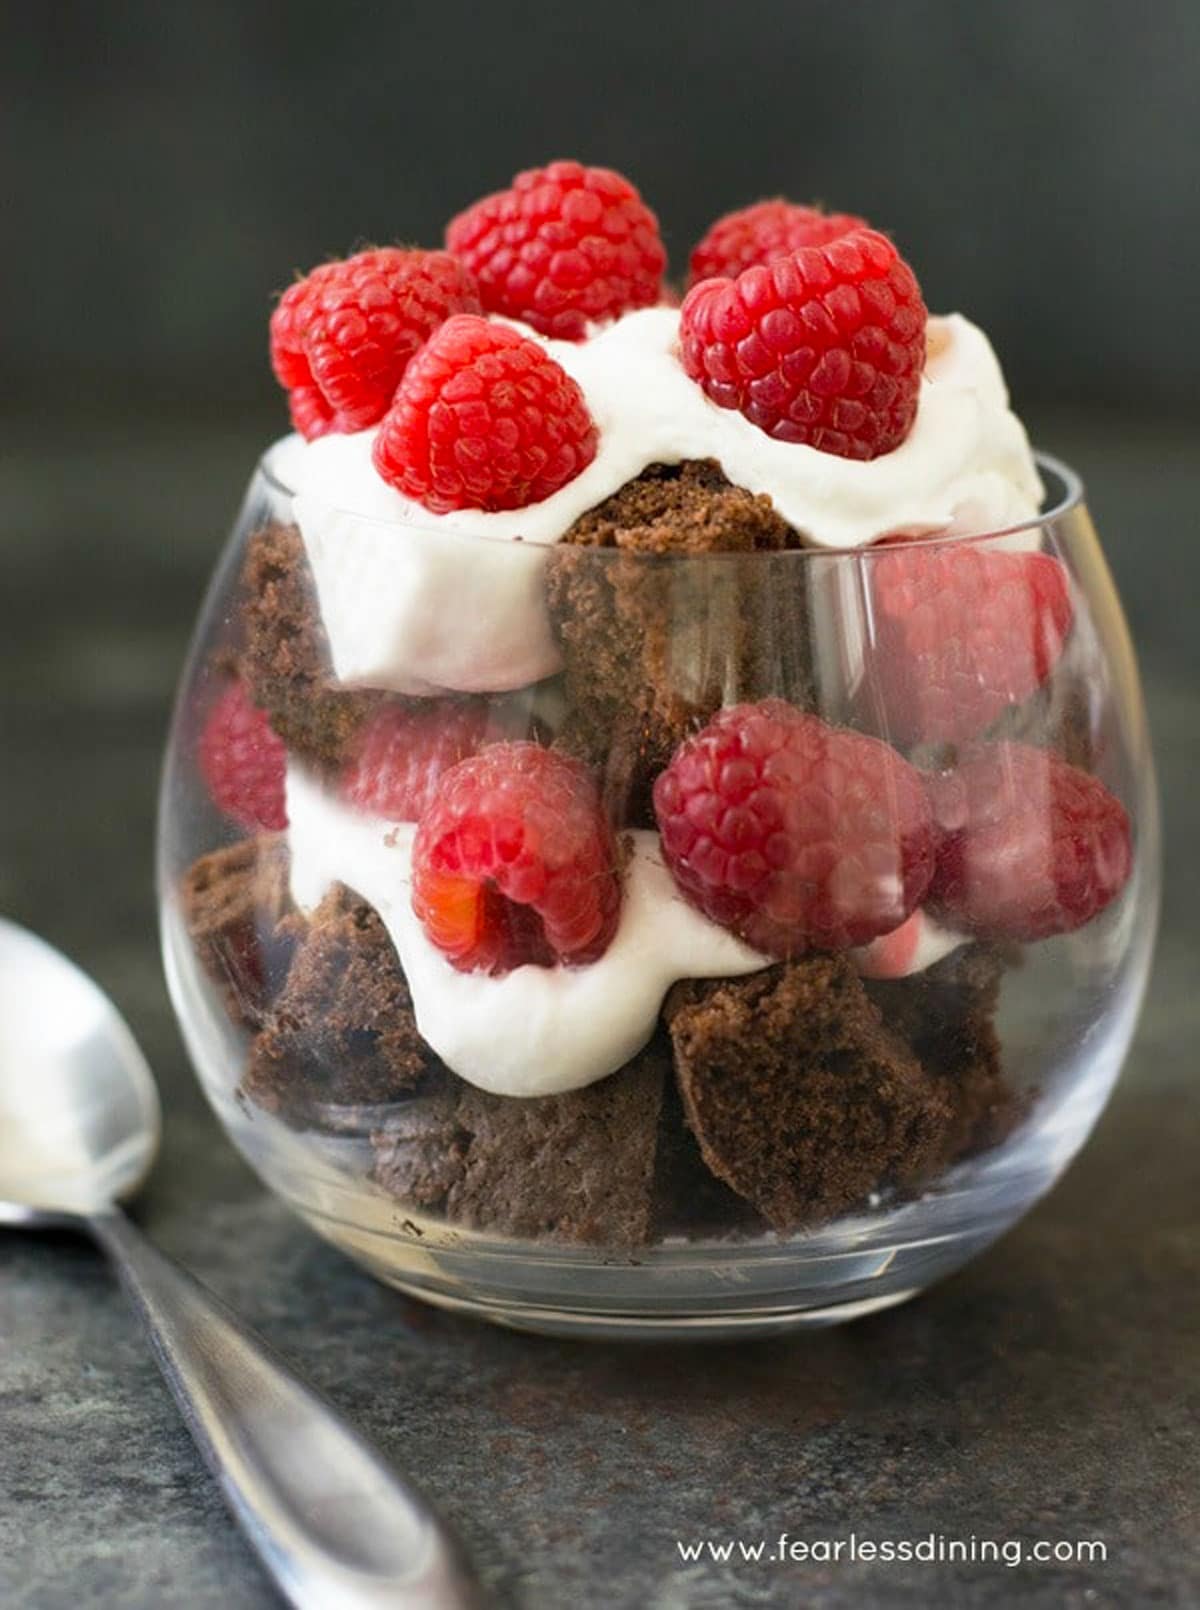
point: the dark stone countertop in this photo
(1049, 1391)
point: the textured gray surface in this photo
(1050, 1391)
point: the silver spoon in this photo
(79, 1129)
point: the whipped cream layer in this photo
(538, 1031)
(417, 602)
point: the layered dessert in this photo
(622, 727)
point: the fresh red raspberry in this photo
(794, 834)
(404, 750)
(310, 412)
(563, 247)
(514, 862)
(484, 419)
(1030, 846)
(342, 337)
(243, 761)
(760, 233)
(959, 633)
(824, 346)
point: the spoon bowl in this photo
(80, 1120)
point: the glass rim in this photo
(1070, 497)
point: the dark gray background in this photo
(165, 166)
(172, 163)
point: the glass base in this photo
(665, 1328)
(684, 1289)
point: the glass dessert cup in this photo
(781, 1143)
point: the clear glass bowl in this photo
(890, 1127)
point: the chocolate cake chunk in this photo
(342, 1033)
(687, 508)
(420, 1153)
(947, 1015)
(625, 757)
(285, 660)
(689, 1200)
(653, 647)
(801, 1100)
(576, 1167)
(234, 900)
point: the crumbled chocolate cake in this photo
(234, 900)
(689, 1199)
(687, 508)
(342, 1032)
(652, 649)
(418, 1153)
(947, 1015)
(285, 659)
(625, 763)
(800, 1098)
(574, 1167)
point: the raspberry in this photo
(310, 412)
(565, 246)
(243, 761)
(794, 834)
(514, 862)
(342, 337)
(960, 633)
(767, 230)
(824, 346)
(404, 750)
(484, 419)
(1031, 846)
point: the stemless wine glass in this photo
(791, 1146)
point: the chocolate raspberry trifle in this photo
(658, 830)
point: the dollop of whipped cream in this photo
(538, 1031)
(395, 584)
(535, 1031)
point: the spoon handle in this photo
(332, 1523)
